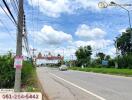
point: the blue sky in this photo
(64, 25)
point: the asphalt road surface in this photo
(76, 85)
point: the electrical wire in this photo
(17, 2)
(7, 30)
(14, 6)
(37, 27)
(25, 37)
(33, 23)
(7, 15)
(38, 16)
(7, 7)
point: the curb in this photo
(44, 95)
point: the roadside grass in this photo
(29, 78)
(113, 71)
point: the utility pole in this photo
(33, 56)
(19, 45)
(116, 62)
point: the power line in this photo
(7, 30)
(25, 34)
(7, 14)
(25, 38)
(37, 15)
(37, 27)
(32, 22)
(7, 7)
(16, 2)
(14, 6)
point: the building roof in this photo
(49, 57)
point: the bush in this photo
(29, 77)
(125, 61)
(111, 63)
(7, 71)
(27, 72)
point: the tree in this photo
(83, 55)
(124, 42)
(107, 57)
(39, 55)
(59, 55)
(101, 55)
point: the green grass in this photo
(113, 71)
(29, 78)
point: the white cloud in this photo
(111, 51)
(122, 30)
(88, 4)
(105, 46)
(1, 24)
(88, 33)
(92, 4)
(68, 52)
(102, 45)
(52, 8)
(5, 50)
(50, 36)
(95, 44)
(3, 35)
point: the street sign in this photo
(18, 62)
(21, 96)
(104, 62)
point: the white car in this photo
(63, 68)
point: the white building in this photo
(49, 59)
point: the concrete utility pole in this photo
(19, 45)
(116, 62)
(33, 55)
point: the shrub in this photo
(111, 63)
(27, 72)
(7, 71)
(125, 61)
(29, 77)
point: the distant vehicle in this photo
(40, 65)
(63, 68)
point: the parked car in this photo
(63, 68)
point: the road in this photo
(76, 85)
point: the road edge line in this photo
(97, 96)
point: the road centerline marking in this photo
(93, 94)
